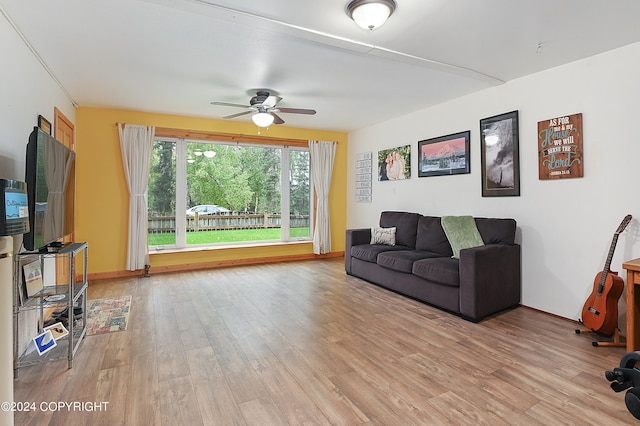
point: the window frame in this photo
(285, 145)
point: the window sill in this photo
(199, 248)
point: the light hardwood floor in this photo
(303, 343)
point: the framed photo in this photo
(33, 278)
(44, 124)
(394, 163)
(500, 155)
(446, 155)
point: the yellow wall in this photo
(102, 200)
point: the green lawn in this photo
(225, 236)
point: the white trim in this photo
(181, 192)
(285, 180)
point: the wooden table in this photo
(633, 304)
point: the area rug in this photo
(108, 315)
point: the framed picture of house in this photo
(500, 155)
(445, 155)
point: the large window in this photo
(203, 193)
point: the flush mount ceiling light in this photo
(262, 119)
(370, 14)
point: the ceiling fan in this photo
(263, 106)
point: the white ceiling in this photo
(176, 56)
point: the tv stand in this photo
(69, 290)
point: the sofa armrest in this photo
(355, 237)
(490, 279)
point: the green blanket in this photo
(462, 233)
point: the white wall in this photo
(26, 91)
(565, 226)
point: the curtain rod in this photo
(229, 137)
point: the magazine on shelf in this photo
(33, 278)
(57, 330)
(44, 342)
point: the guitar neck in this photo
(607, 264)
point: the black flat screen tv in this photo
(50, 178)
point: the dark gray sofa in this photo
(485, 280)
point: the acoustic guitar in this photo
(600, 311)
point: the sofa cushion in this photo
(442, 270)
(402, 261)
(406, 225)
(370, 252)
(383, 236)
(497, 231)
(431, 236)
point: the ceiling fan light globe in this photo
(262, 119)
(370, 14)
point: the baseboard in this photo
(211, 265)
(550, 314)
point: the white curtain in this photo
(322, 155)
(136, 144)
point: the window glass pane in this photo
(233, 193)
(299, 195)
(162, 195)
(220, 192)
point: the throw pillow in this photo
(462, 233)
(383, 236)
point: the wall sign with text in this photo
(364, 166)
(560, 147)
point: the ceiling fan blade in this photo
(298, 111)
(277, 119)
(228, 104)
(271, 101)
(238, 114)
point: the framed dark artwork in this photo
(394, 163)
(44, 124)
(500, 155)
(445, 155)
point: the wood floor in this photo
(303, 343)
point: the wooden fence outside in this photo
(167, 224)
